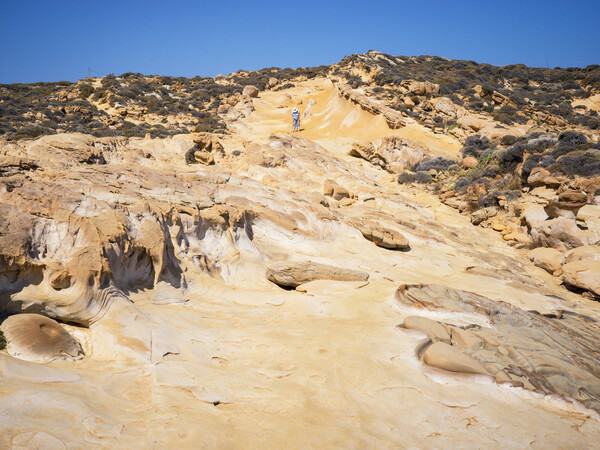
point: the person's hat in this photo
(295, 109)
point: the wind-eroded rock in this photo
(394, 154)
(293, 275)
(584, 274)
(381, 236)
(554, 354)
(36, 338)
(446, 357)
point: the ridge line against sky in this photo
(52, 41)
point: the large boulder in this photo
(36, 338)
(584, 274)
(534, 216)
(250, 91)
(295, 274)
(548, 259)
(590, 215)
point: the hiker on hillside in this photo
(295, 119)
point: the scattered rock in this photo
(381, 236)
(584, 252)
(548, 259)
(332, 189)
(292, 275)
(469, 162)
(483, 214)
(584, 274)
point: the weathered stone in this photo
(333, 189)
(548, 259)
(37, 338)
(584, 252)
(382, 237)
(446, 357)
(469, 162)
(292, 275)
(584, 274)
(435, 330)
(250, 91)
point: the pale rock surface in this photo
(584, 252)
(444, 356)
(584, 274)
(36, 338)
(546, 258)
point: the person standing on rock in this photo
(295, 119)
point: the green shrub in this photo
(2, 341)
(85, 90)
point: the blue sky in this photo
(59, 40)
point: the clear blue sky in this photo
(59, 40)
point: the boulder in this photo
(483, 214)
(447, 108)
(332, 189)
(585, 252)
(469, 162)
(381, 236)
(534, 216)
(584, 274)
(250, 91)
(37, 338)
(546, 258)
(537, 177)
(561, 232)
(273, 82)
(444, 356)
(590, 215)
(295, 274)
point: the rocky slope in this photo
(253, 287)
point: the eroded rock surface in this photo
(293, 275)
(39, 339)
(553, 353)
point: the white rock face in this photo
(157, 268)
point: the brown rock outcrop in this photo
(393, 154)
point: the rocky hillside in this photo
(410, 269)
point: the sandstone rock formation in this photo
(293, 275)
(151, 254)
(36, 338)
